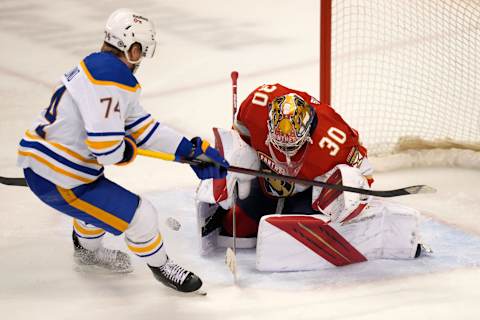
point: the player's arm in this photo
(342, 143)
(103, 110)
(150, 134)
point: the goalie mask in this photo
(289, 123)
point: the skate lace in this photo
(174, 272)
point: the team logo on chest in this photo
(271, 164)
(275, 187)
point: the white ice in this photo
(187, 85)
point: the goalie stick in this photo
(231, 253)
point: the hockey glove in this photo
(130, 152)
(213, 166)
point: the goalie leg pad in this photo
(385, 230)
(210, 220)
(299, 242)
(302, 242)
(246, 227)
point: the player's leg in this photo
(104, 205)
(94, 209)
(118, 210)
(215, 224)
(88, 249)
(389, 231)
(144, 239)
(249, 211)
(299, 203)
(87, 235)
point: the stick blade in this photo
(231, 261)
(420, 189)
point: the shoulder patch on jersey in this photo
(104, 68)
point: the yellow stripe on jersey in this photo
(140, 131)
(205, 145)
(100, 214)
(107, 83)
(88, 232)
(148, 248)
(102, 144)
(54, 168)
(61, 147)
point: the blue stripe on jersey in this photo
(105, 66)
(105, 134)
(130, 126)
(40, 132)
(109, 152)
(184, 149)
(40, 147)
(90, 237)
(149, 135)
(51, 113)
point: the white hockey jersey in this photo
(83, 127)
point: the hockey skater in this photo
(94, 118)
(294, 226)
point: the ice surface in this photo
(187, 85)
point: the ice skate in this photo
(174, 276)
(112, 260)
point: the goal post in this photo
(405, 73)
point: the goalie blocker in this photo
(337, 229)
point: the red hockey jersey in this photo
(333, 140)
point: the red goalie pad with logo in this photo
(319, 237)
(302, 242)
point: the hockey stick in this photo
(20, 182)
(231, 253)
(377, 193)
(234, 76)
(417, 189)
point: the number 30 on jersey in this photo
(261, 98)
(335, 137)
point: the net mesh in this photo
(407, 72)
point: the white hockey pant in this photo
(142, 235)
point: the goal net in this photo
(404, 73)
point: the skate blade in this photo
(200, 293)
(426, 248)
(99, 269)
